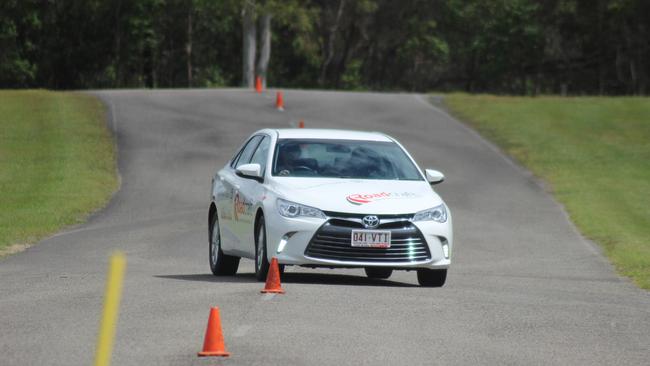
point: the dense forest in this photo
(501, 46)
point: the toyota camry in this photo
(329, 198)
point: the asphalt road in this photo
(525, 288)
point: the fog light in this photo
(445, 248)
(284, 241)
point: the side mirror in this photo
(252, 171)
(434, 176)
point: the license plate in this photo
(371, 238)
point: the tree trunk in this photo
(601, 49)
(601, 76)
(619, 66)
(642, 57)
(564, 89)
(265, 50)
(629, 41)
(248, 52)
(633, 81)
(329, 51)
(188, 47)
(118, 45)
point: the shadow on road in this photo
(206, 277)
(339, 279)
(292, 277)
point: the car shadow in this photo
(339, 279)
(207, 277)
(293, 277)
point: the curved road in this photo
(525, 287)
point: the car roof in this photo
(313, 133)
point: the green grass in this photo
(57, 163)
(594, 152)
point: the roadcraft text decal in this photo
(363, 198)
(241, 207)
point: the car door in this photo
(228, 201)
(248, 197)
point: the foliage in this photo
(17, 27)
(506, 46)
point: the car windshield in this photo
(342, 159)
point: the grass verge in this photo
(594, 152)
(57, 163)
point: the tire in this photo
(220, 264)
(378, 272)
(261, 258)
(432, 277)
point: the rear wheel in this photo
(261, 260)
(378, 272)
(432, 277)
(220, 263)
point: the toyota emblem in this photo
(370, 221)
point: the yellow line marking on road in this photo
(111, 309)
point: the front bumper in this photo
(413, 245)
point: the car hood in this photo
(358, 196)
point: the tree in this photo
(18, 23)
(505, 46)
(265, 48)
(249, 48)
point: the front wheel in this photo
(261, 259)
(220, 263)
(432, 277)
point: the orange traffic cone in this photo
(301, 124)
(258, 85)
(213, 344)
(279, 101)
(273, 279)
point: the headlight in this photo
(437, 214)
(292, 209)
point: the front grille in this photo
(333, 241)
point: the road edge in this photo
(436, 103)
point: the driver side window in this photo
(246, 153)
(261, 154)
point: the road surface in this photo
(525, 287)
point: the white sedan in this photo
(329, 198)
